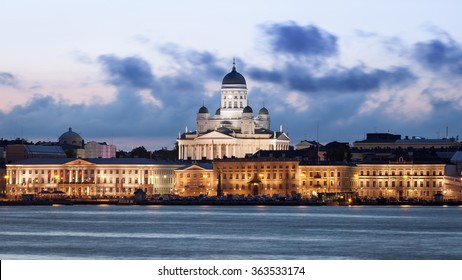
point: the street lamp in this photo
(6, 183)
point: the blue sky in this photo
(136, 72)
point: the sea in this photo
(113, 232)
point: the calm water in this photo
(230, 232)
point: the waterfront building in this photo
(234, 130)
(281, 176)
(257, 176)
(195, 179)
(394, 141)
(401, 179)
(332, 179)
(115, 177)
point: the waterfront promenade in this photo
(229, 201)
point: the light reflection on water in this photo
(230, 232)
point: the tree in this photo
(140, 152)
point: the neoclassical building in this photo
(121, 177)
(110, 177)
(234, 130)
(403, 179)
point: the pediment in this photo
(79, 162)
(196, 168)
(214, 135)
(283, 136)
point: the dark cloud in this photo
(133, 71)
(293, 39)
(7, 79)
(204, 64)
(344, 80)
(440, 56)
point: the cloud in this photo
(132, 71)
(300, 89)
(305, 41)
(7, 79)
(335, 80)
(440, 56)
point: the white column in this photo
(226, 150)
(212, 153)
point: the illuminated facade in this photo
(87, 178)
(256, 176)
(91, 177)
(320, 178)
(233, 131)
(195, 179)
(401, 179)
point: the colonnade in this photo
(212, 151)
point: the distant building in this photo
(394, 141)
(16, 152)
(99, 150)
(72, 143)
(234, 130)
(306, 145)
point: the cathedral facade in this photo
(234, 130)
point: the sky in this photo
(135, 73)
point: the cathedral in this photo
(234, 130)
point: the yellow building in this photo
(195, 179)
(258, 176)
(400, 179)
(316, 179)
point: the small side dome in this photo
(248, 109)
(263, 111)
(203, 110)
(218, 112)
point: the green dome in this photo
(263, 111)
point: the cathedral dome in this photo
(234, 77)
(263, 111)
(71, 138)
(248, 109)
(218, 112)
(203, 110)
